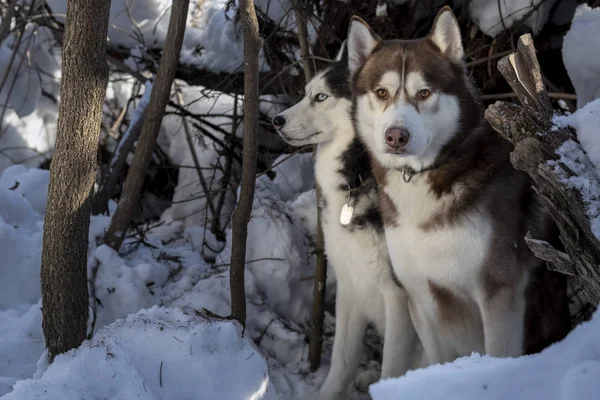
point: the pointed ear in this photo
(341, 51)
(361, 43)
(445, 34)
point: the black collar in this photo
(355, 182)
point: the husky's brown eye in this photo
(382, 93)
(424, 94)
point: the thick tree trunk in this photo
(243, 210)
(159, 98)
(72, 174)
(315, 344)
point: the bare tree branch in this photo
(243, 210)
(159, 98)
(320, 277)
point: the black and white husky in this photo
(455, 211)
(353, 230)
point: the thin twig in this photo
(202, 180)
(160, 374)
(482, 60)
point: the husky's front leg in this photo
(400, 338)
(503, 317)
(350, 326)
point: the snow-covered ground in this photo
(152, 339)
(159, 353)
(567, 370)
(167, 270)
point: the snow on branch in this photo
(565, 179)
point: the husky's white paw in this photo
(365, 379)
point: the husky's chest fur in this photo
(447, 260)
(450, 254)
(357, 251)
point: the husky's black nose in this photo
(396, 138)
(278, 121)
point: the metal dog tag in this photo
(346, 214)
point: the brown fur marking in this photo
(387, 208)
(451, 308)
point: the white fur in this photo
(451, 257)
(361, 42)
(366, 291)
(446, 35)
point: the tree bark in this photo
(315, 344)
(159, 98)
(243, 210)
(72, 175)
(531, 130)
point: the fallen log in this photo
(537, 147)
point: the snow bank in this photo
(581, 53)
(29, 120)
(166, 270)
(159, 353)
(131, 22)
(212, 41)
(21, 343)
(217, 110)
(565, 371)
(585, 121)
(491, 16)
(22, 204)
(278, 252)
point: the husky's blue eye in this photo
(320, 97)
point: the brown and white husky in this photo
(455, 212)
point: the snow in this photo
(381, 10)
(167, 271)
(20, 236)
(135, 117)
(212, 42)
(277, 213)
(189, 198)
(566, 370)
(159, 353)
(585, 121)
(491, 16)
(586, 179)
(29, 119)
(581, 54)
(21, 344)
